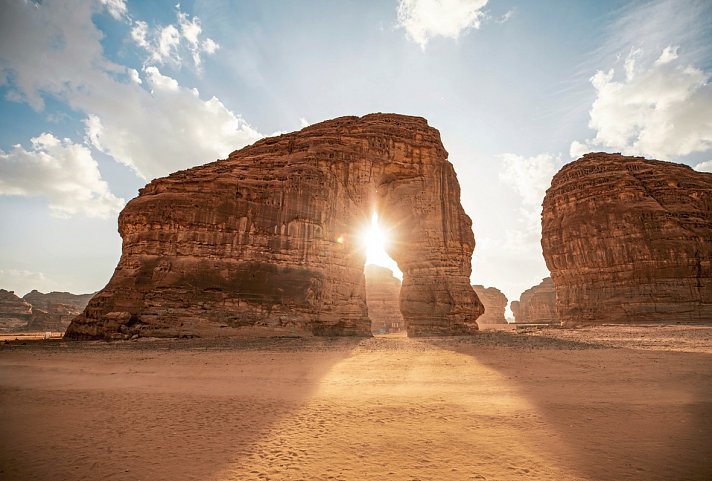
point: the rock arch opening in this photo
(267, 238)
(383, 280)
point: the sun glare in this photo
(375, 240)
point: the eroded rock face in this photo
(62, 302)
(15, 312)
(54, 311)
(268, 237)
(629, 240)
(383, 298)
(37, 312)
(495, 304)
(537, 305)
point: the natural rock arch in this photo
(268, 238)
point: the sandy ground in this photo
(594, 404)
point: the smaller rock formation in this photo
(38, 312)
(537, 305)
(61, 302)
(383, 299)
(15, 312)
(495, 304)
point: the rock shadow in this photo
(159, 410)
(616, 413)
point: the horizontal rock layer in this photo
(268, 238)
(629, 240)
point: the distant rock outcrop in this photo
(495, 304)
(537, 305)
(383, 296)
(54, 311)
(15, 312)
(268, 238)
(59, 301)
(629, 240)
(39, 312)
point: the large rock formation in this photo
(537, 305)
(267, 237)
(15, 312)
(629, 240)
(495, 304)
(383, 297)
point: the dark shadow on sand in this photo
(621, 413)
(160, 432)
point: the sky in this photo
(98, 97)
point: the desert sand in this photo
(605, 403)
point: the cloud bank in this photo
(145, 120)
(62, 172)
(660, 109)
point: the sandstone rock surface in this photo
(54, 311)
(495, 304)
(267, 237)
(59, 301)
(37, 312)
(629, 240)
(15, 312)
(537, 305)
(383, 297)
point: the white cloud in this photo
(669, 54)
(134, 76)
(528, 176)
(425, 19)
(578, 149)
(154, 128)
(505, 18)
(661, 110)
(49, 37)
(658, 24)
(116, 8)
(62, 172)
(303, 122)
(164, 44)
(167, 129)
(139, 32)
(705, 166)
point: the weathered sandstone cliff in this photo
(495, 304)
(383, 297)
(537, 305)
(267, 237)
(629, 240)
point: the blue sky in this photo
(99, 96)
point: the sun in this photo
(375, 240)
